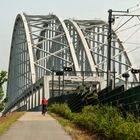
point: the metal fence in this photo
(126, 101)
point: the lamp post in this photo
(52, 81)
(59, 73)
(63, 82)
(126, 76)
(135, 71)
(65, 69)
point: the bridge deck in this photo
(34, 126)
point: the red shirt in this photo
(44, 101)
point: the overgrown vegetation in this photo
(76, 132)
(105, 121)
(5, 122)
(3, 78)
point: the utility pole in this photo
(110, 20)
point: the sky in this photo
(65, 9)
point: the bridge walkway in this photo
(34, 126)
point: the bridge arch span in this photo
(42, 44)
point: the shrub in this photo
(100, 119)
(124, 131)
(136, 131)
(61, 109)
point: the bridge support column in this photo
(27, 102)
(46, 87)
(39, 96)
(36, 103)
(33, 99)
(30, 98)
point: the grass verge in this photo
(7, 121)
(76, 132)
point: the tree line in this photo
(3, 79)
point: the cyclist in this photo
(44, 105)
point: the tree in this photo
(3, 78)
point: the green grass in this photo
(62, 121)
(8, 120)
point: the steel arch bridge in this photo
(44, 43)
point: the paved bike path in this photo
(34, 126)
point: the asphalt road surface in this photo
(34, 126)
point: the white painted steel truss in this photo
(41, 44)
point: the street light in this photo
(52, 81)
(126, 76)
(66, 69)
(59, 73)
(135, 71)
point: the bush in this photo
(100, 119)
(61, 109)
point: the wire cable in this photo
(128, 28)
(127, 14)
(131, 43)
(132, 34)
(124, 23)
